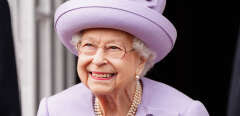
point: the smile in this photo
(102, 75)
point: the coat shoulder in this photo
(159, 96)
(165, 92)
(77, 91)
(72, 101)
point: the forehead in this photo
(107, 36)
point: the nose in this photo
(99, 58)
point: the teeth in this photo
(102, 75)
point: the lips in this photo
(102, 75)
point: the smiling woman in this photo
(113, 56)
(103, 54)
(102, 61)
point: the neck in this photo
(117, 103)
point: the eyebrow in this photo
(114, 41)
(92, 39)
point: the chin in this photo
(101, 91)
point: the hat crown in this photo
(141, 18)
(157, 5)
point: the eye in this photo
(114, 47)
(87, 45)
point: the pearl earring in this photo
(138, 77)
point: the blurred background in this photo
(200, 65)
(44, 67)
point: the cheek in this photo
(82, 68)
(127, 68)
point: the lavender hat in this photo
(140, 18)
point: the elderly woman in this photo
(117, 42)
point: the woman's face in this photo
(100, 66)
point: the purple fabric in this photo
(134, 17)
(158, 100)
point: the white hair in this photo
(138, 46)
(144, 52)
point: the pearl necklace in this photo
(133, 108)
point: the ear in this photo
(141, 64)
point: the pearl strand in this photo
(137, 98)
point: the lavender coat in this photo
(158, 100)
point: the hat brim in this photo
(146, 24)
